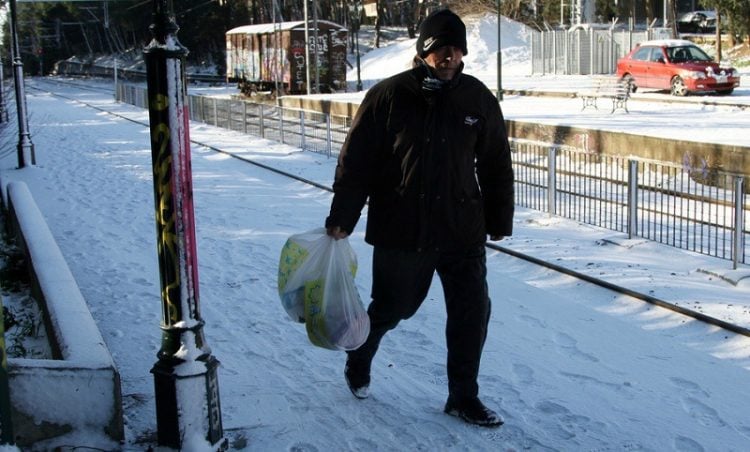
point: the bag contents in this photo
(316, 287)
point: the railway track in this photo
(586, 278)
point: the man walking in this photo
(428, 149)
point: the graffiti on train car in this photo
(277, 57)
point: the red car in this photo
(677, 65)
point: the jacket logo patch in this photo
(470, 120)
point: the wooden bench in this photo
(608, 88)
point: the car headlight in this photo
(696, 74)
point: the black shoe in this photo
(473, 411)
(358, 384)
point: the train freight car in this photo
(273, 56)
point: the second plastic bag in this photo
(316, 286)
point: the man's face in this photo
(445, 61)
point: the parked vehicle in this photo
(676, 65)
(265, 57)
(697, 22)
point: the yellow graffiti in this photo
(160, 102)
(167, 246)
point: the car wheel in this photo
(725, 92)
(678, 87)
(630, 81)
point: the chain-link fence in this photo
(585, 51)
(701, 210)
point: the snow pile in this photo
(481, 61)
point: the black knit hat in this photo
(441, 28)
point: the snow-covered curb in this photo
(78, 393)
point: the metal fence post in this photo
(591, 51)
(262, 122)
(302, 129)
(244, 117)
(229, 105)
(281, 124)
(552, 180)
(554, 53)
(328, 133)
(738, 250)
(216, 112)
(230, 116)
(632, 198)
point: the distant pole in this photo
(115, 77)
(316, 48)
(356, 24)
(307, 48)
(3, 109)
(185, 375)
(25, 146)
(499, 55)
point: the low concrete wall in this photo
(733, 159)
(78, 392)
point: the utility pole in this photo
(3, 109)
(499, 55)
(185, 375)
(355, 15)
(25, 146)
(317, 46)
(307, 49)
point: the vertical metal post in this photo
(317, 46)
(307, 48)
(632, 198)
(499, 55)
(328, 134)
(25, 146)
(281, 124)
(357, 13)
(262, 122)
(592, 44)
(612, 63)
(739, 221)
(552, 180)
(3, 110)
(115, 74)
(244, 117)
(302, 129)
(185, 375)
(554, 52)
(6, 425)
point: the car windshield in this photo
(683, 54)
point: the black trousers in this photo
(401, 280)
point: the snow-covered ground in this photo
(571, 367)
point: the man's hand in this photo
(336, 232)
(496, 238)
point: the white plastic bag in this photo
(316, 286)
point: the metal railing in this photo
(698, 209)
(693, 209)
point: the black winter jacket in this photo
(435, 165)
